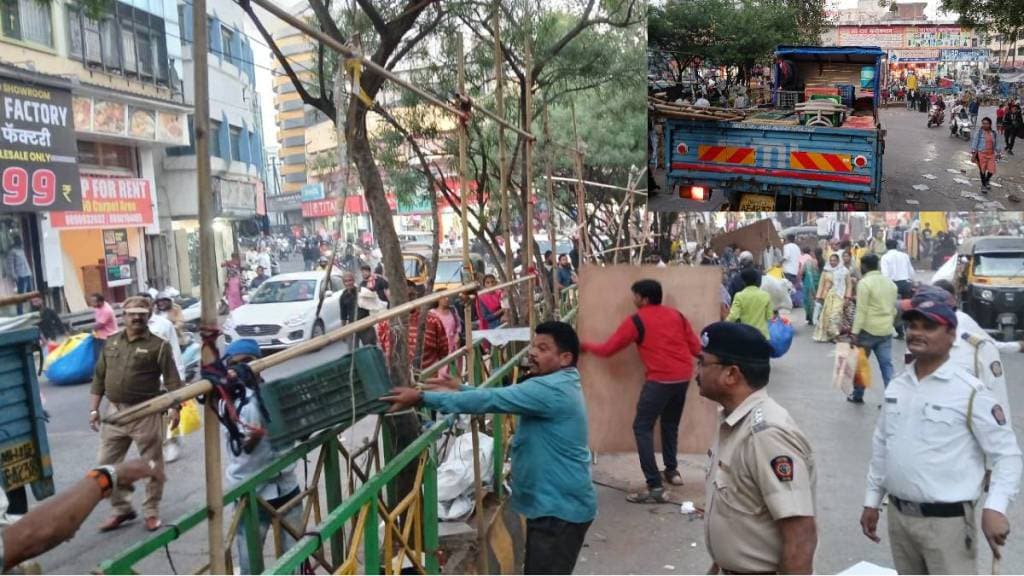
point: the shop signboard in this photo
(112, 118)
(916, 55)
(234, 198)
(965, 55)
(881, 36)
(313, 192)
(109, 203)
(38, 153)
(320, 208)
(117, 260)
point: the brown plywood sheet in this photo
(612, 386)
(756, 238)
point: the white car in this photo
(282, 312)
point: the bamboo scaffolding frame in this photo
(639, 192)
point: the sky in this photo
(932, 10)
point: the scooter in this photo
(961, 125)
(935, 116)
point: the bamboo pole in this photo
(581, 215)
(17, 298)
(481, 521)
(208, 283)
(499, 102)
(631, 190)
(171, 399)
(348, 52)
(528, 185)
(551, 213)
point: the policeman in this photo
(938, 426)
(760, 487)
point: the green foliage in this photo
(1002, 16)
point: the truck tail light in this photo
(694, 193)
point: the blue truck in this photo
(777, 158)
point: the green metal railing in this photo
(412, 522)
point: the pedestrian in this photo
(745, 260)
(752, 305)
(233, 289)
(937, 418)
(435, 339)
(551, 458)
(167, 308)
(760, 513)
(51, 327)
(310, 254)
(896, 266)
(256, 455)
(264, 260)
(351, 311)
(810, 276)
(834, 287)
(489, 311)
(872, 327)
(667, 345)
(375, 282)
(259, 279)
(566, 276)
(791, 260)
(1014, 126)
(56, 519)
(106, 320)
(452, 324)
(985, 150)
(129, 372)
(165, 329)
(18, 269)
(973, 109)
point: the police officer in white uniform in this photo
(938, 427)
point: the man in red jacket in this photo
(667, 345)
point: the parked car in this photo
(282, 312)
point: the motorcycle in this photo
(935, 116)
(960, 125)
(191, 349)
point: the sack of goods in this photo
(780, 336)
(75, 361)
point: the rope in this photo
(229, 393)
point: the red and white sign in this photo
(109, 203)
(320, 208)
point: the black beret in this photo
(735, 342)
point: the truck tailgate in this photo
(832, 163)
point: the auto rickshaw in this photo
(990, 282)
(416, 267)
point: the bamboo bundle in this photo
(691, 112)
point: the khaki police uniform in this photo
(129, 371)
(930, 446)
(762, 471)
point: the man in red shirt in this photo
(667, 345)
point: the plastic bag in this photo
(75, 366)
(780, 336)
(188, 419)
(63, 349)
(863, 376)
(845, 367)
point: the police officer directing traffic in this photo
(761, 484)
(938, 426)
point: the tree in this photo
(1003, 17)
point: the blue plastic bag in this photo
(75, 367)
(780, 336)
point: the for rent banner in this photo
(109, 203)
(38, 153)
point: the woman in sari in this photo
(833, 288)
(850, 303)
(810, 277)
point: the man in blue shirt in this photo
(550, 455)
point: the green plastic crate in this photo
(320, 397)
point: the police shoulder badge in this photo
(782, 466)
(997, 413)
(997, 368)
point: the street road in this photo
(924, 169)
(631, 539)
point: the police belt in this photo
(929, 510)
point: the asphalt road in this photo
(631, 539)
(924, 169)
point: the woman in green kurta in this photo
(811, 276)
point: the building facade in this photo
(90, 105)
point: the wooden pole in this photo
(499, 102)
(581, 216)
(467, 264)
(208, 281)
(528, 186)
(551, 213)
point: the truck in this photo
(781, 158)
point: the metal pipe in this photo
(171, 399)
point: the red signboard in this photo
(319, 208)
(109, 203)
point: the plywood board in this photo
(755, 238)
(612, 386)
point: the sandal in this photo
(650, 496)
(115, 521)
(673, 477)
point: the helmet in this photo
(163, 295)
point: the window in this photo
(236, 143)
(109, 42)
(227, 36)
(106, 155)
(27, 20)
(129, 41)
(128, 50)
(215, 150)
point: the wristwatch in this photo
(106, 477)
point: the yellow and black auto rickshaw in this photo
(990, 281)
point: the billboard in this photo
(109, 203)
